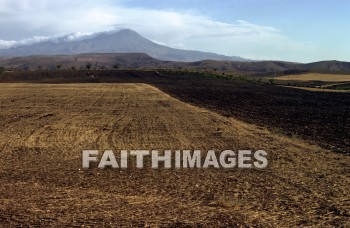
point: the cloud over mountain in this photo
(123, 41)
(27, 21)
(30, 21)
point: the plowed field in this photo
(45, 127)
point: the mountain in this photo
(123, 41)
(98, 60)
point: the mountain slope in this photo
(328, 66)
(98, 60)
(123, 41)
(141, 60)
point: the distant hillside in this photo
(137, 60)
(262, 67)
(328, 66)
(123, 41)
(98, 61)
(141, 60)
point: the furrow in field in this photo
(41, 153)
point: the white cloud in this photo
(4, 44)
(26, 18)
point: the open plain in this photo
(45, 127)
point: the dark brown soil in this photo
(44, 127)
(321, 117)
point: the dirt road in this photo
(44, 128)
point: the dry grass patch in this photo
(316, 77)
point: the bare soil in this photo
(44, 128)
(321, 117)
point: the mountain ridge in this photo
(122, 41)
(142, 60)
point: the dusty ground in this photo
(322, 118)
(43, 129)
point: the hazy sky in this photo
(291, 30)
